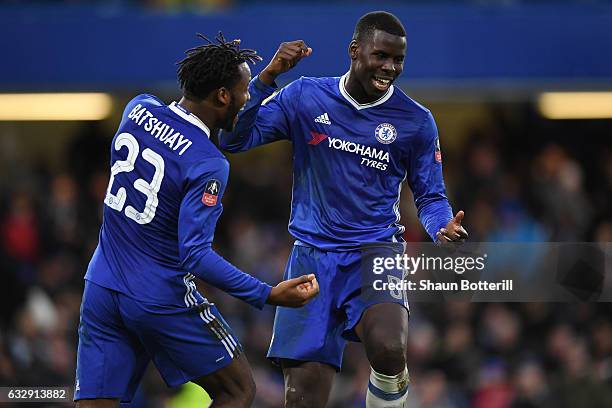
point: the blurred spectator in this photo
(482, 171)
(558, 187)
(459, 354)
(63, 211)
(431, 392)
(578, 386)
(500, 331)
(20, 232)
(494, 389)
(532, 389)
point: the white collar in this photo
(358, 105)
(189, 117)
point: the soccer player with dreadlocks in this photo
(161, 207)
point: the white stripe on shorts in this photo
(227, 346)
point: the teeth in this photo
(382, 80)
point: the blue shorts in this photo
(319, 331)
(118, 336)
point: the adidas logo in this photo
(324, 118)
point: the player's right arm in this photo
(260, 124)
(200, 209)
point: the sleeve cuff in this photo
(266, 89)
(265, 294)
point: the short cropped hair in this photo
(211, 66)
(378, 20)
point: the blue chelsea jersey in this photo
(349, 160)
(161, 208)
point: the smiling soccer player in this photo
(356, 139)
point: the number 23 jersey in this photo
(161, 206)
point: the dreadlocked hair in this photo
(211, 66)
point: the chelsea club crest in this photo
(385, 133)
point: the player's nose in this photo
(388, 66)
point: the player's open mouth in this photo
(382, 83)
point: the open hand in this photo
(294, 292)
(453, 231)
(285, 58)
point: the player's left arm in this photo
(427, 183)
(198, 215)
(453, 231)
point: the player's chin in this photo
(231, 124)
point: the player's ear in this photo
(352, 49)
(223, 96)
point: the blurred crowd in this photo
(519, 178)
